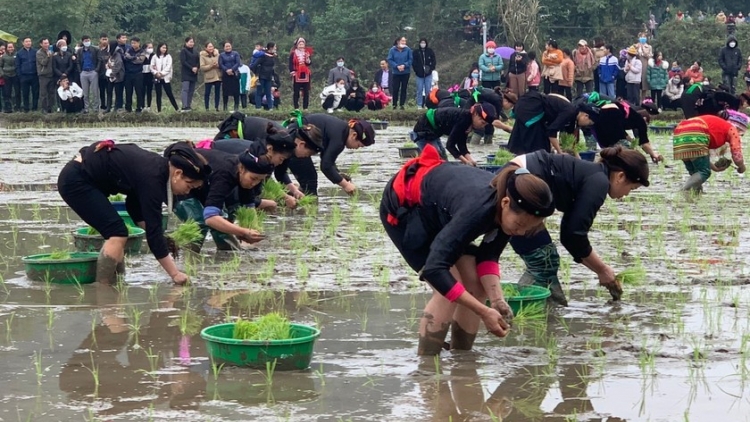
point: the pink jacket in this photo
(533, 76)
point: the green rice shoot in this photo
(272, 326)
(510, 291)
(187, 234)
(273, 191)
(632, 276)
(117, 198)
(250, 218)
(353, 169)
(568, 143)
(409, 145)
(58, 255)
(502, 156)
(307, 202)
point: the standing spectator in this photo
(599, 52)
(645, 53)
(608, 70)
(62, 63)
(105, 88)
(148, 79)
(533, 73)
(209, 62)
(244, 84)
(134, 57)
(585, 63)
(258, 52)
(119, 88)
(695, 73)
(291, 23)
(400, 59)
(45, 71)
(383, 77)
(189, 62)
(491, 66)
(116, 74)
(332, 95)
(424, 62)
(701, 16)
(340, 71)
(355, 97)
(658, 76)
(70, 94)
(88, 61)
(652, 25)
(376, 98)
(730, 61)
(667, 15)
(229, 63)
(161, 68)
(633, 71)
(551, 60)
(2, 79)
(28, 79)
(517, 64)
(12, 87)
(747, 74)
(264, 70)
(568, 75)
(299, 69)
(303, 20)
(672, 94)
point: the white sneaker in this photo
(419, 107)
(330, 111)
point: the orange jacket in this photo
(568, 72)
(552, 57)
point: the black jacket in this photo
(457, 206)
(94, 58)
(610, 125)
(189, 58)
(730, 59)
(454, 122)
(142, 176)
(263, 67)
(379, 78)
(256, 147)
(517, 63)
(579, 189)
(423, 62)
(62, 64)
(335, 131)
(219, 191)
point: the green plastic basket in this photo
(528, 296)
(85, 242)
(290, 354)
(80, 268)
(129, 220)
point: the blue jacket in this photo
(256, 56)
(228, 61)
(608, 69)
(134, 59)
(397, 58)
(485, 62)
(26, 62)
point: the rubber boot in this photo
(476, 138)
(106, 269)
(191, 209)
(488, 139)
(542, 266)
(694, 183)
(461, 339)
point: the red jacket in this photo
(380, 95)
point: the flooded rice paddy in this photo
(676, 347)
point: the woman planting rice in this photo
(457, 123)
(579, 189)
(149, 180)
(433, 211)
(235, 181)
(696, 139)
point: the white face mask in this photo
(340, 64)
(402, 45)
(150, 50)
(423, 45)
(375, 89)
(732, 44)
(87, 44)
(64, 49)
(490, 51)
(341, 86)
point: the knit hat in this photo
(490, 44)
(583, 43)
(365, 131)
(632, 50)
(739, 120)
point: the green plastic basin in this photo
(528, 296)
(85, 242)
(290, 354)
(81, 268)
(129, 221)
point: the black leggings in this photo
(77, 189)
(148, 88)
(400, 82)
(168, 90)
(656, 96)
(207, 94)
(305, 88)
(375, 105)
(105, 93)
(304, 171)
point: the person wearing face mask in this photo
(424, 63)
(676, 70)
(633, 70)
(330, 98)
(400, 60)
(340, 72)
(88, 61)
(355, 97)
(472, 80)
(148, 80)
(62, 63)
(730, 61)
(657, 77)
(491, 66)
(148, 179)
(644, 53)
(671, 100)
(376, 99)
(579, 189)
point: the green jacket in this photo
(657, 76)
(8, 65)
(484, 65)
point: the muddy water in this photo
(674, 349)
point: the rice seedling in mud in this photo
(153, 363)
(135, 324)
(58, 255)
(39, 368)
(186, 234)
(303, 270)
(9, 328)
(273, 191)
(632, 276)
(272, 326)
(250, 218)
(94, 370)
(309, 204)
(321, 375)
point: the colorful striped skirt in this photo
(690, 139)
